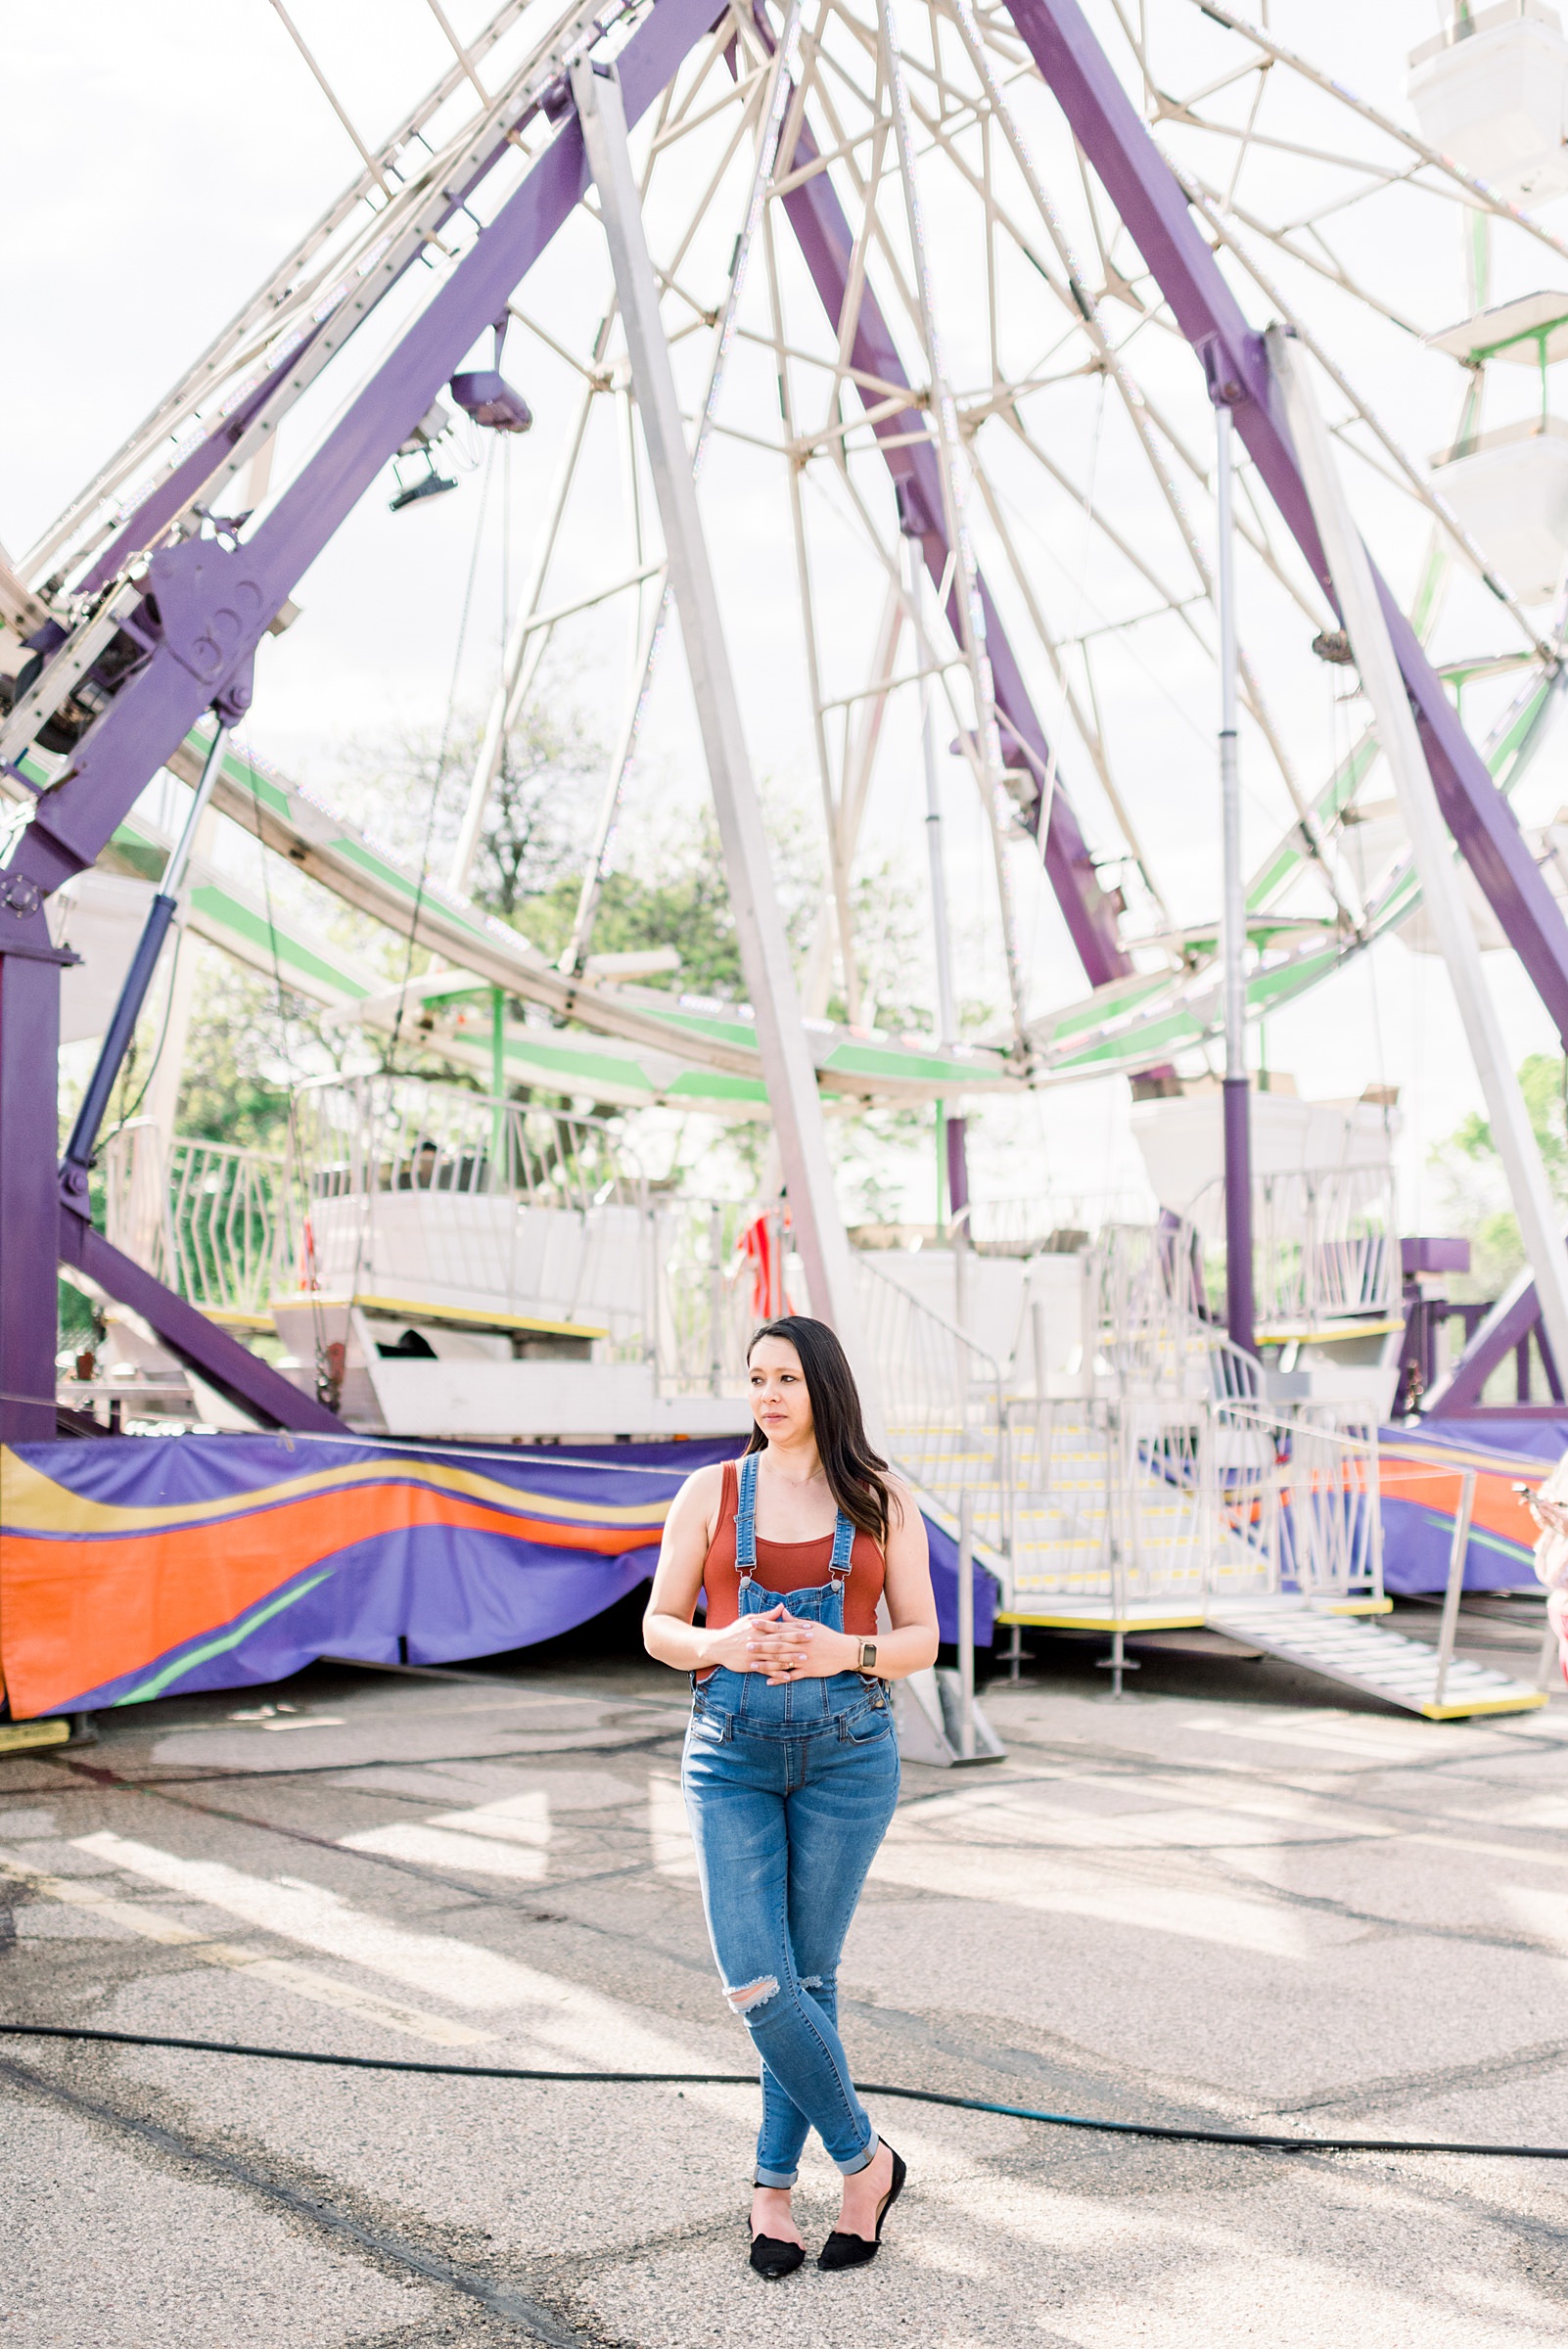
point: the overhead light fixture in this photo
(486, 394)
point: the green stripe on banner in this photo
(218, 1647)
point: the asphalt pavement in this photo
(1236, 1900)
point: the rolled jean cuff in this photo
(784, 2179)
(862, 2161)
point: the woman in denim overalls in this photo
(791, 1767)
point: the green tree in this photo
(672, 892)
(410, 788)
(1471, 1172)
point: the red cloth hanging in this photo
(763, 1244)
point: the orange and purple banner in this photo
(145, 1566)
(135, 1567)
(1421, 1470)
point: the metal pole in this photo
(715, 1298)
(966, 1625)
(1237, 1105)
(498, 1169)
(1459, 1548)
(952, 1173)
(775, 1264)
(941, 933)
(1386, 690)
(957, 1137)
(138, 979)
(1122, 1462)
(524, 633)
(953, 472)
(766, 956)
(1042, 1421)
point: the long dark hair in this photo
(852, 1469)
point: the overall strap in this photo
(843, 1545)
(746, 1519)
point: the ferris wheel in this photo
(894, 339)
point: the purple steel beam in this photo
(236, 1373)
(30, 1045)
(169, 497)
(1147, 196)
(212, 606)
(822, 232)
(157, 509)
(1508, 1325)
(1240, 1305)
(215, 603)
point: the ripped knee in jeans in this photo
(752, 1995)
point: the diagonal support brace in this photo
(763, 943)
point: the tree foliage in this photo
(1470, 1168)
(665, 886)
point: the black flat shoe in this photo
(774, 2257)
(842, 2251)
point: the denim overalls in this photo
(789, 1790)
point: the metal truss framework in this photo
(150, 647)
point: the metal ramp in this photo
(1368, 1656)
(1176, 1496)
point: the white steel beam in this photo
(1441, 889)
(650, 638)
(760, 925)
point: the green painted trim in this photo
(1269, 986)
(852, 1059)
(712, 1085)
(1180, 1029)
(555, 1060)
(1110, 1004)
(1341, 787)
(220, 906)
(144, 856)
(221, 1647)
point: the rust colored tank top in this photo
(787, 1566)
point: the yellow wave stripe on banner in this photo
(32, 1503)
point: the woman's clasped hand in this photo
(783, 1647)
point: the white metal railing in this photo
(207, 1218)
(427, 1192)
(1296, 1489)
(703, 1286)
(944, 1403)
(1043, 1220)
(1144, 1296)
(1171, 1476)
(1324, 1245)
(430, 1193)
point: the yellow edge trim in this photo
(31, 1502)
(1305, 1333)
(19, 1734)
(1106, 1623)
(230, 1318)
(1357, 1606)
(1489, 1704)
(464, 1316)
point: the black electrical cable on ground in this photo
(870, 2087)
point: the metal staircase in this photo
(1168, 1494)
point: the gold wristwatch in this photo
(866, 1661)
